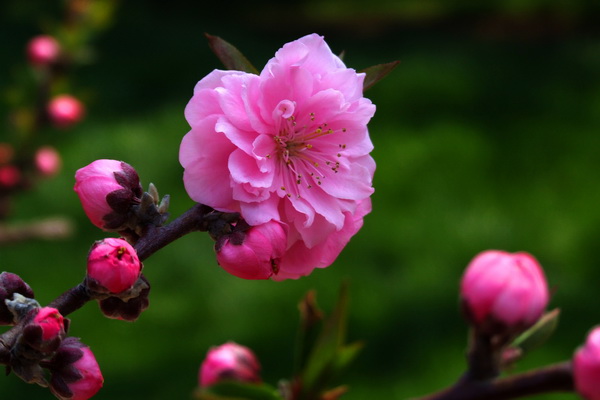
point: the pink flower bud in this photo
(51, 322)
(254, 253)
(65, 111)
(107, 190)
(114, 265)
(501, 290)
(47, 161)
(9, 285)
(43, 50)
(229, 361)
(9, 176)
(75, 371)
(586, 367)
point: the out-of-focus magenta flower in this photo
(9, 176)
(289, 145)
(586, 367)
(51, 322)
(113, 264)
(107, 190)
(75, 371)
(503, 288)
(254, 253)
(229, 362)
(43, 50)
(47, 161)
(65, 111)
(9, 285)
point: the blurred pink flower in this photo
(113, 264)
(43, 50)
(254, 253)
(289, 145)
(65, 111)
(230, 361)
(505, 288)
(586, 367)
(9, 176)
(47, 161)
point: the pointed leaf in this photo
(538, 334)
(376, 73)
(345, 356)
(310, 323)
(229, 55)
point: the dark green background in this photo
(486, 136)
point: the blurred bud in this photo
(9, 285)
(43, 50)
(253, 253)
(45, 330)
(586, 367)
(6, 153)
(113, 264)
(127, 308)
(75, 372)
(503, 292)
(47, 161)
(10, 176)
(107, 190)
(65, 111)
(229, 362)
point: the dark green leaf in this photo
(229, 55)
(377, 73)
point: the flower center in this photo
(303, 156)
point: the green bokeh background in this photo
(486, 136)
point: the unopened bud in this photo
(43, 50)
(107, 190)
(65, 111)
(586, 367)
(504, 292)
(9, 285)
(45, 330)
(229, 362)
(75, 372)
(113, 264)
(253, 253)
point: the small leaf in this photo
(376, 73)
(229, 55)
(310, 322)
(538, 334)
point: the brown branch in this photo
(553, 378)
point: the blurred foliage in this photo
(485, 136)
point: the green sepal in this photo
(377, 72)
(230, 56)
(238, 391)
(539, 333)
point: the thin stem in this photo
(553, 378)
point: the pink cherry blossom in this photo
(229, 361)
(586, 367)
(76, 374)
(51, 322)
(43, 50)
(289, 145)
(113, 264)
(65, 111)
(509, 288)
(255, 253)
(47, 161)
